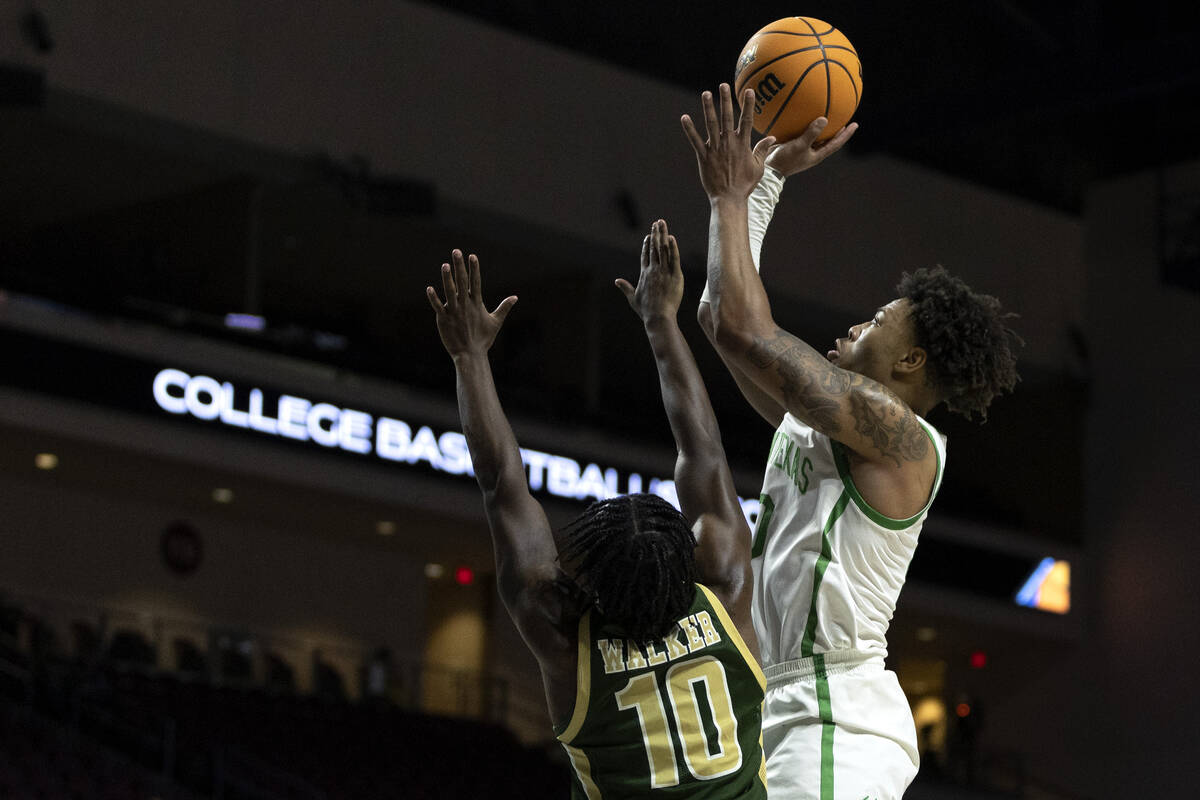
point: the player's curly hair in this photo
(636, 556)
(969, 345)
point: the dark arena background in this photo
(219, 218)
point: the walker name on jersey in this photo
(624, 655)
(785, 456)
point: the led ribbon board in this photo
(330, 426)
(46, 365)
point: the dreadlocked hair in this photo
(970, 346)
(636, 554)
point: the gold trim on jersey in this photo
(762, 764)
(583, 684)
(734, 635)
(583, 769)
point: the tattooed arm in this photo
(893, 461)
(861, 413)
(759, 400)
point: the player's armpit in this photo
(546, 614)
(723, 550)
(861, 413)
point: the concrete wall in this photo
(1117, 719)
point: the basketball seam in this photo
(825, 61)
(764, 65)
(794, 33)
(853, 84)
(788, 99)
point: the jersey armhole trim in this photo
(843, 468)
(583, 679)
(735, 637)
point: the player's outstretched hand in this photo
(805, 152)
(463, 322)
(729, 166)
(659, 289)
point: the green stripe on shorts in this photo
(825, 707)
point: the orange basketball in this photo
(800, 68)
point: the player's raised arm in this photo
(702, 479)
(521, 534)
(849, 407)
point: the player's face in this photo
(871, 348)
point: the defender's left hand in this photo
(660, 284)
(729, 167)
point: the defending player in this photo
(640, 621)
(850, 475)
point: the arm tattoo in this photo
(889, 424)
(820, 390)
(806, 379)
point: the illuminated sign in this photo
(1048, 588)
(394, 440)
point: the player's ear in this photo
(911, 361)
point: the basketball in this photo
(800, 68)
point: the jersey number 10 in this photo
(642, 694)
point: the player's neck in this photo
(919, 397)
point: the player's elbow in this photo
(735, 330)
(501, 487)
(730, 334)
(704, 315)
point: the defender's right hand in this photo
(659, 289)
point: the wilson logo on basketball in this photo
(814, 62)
(767, 88)
(746, 60)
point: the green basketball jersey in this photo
(679, 717)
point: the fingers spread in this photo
(460, 273)
(746, 123)
(501, 312)
(431, 296)
(476, 283)
(693, 136)
(712, 127)
(448, 287)
(726, 109)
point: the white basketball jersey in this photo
(827, 567)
